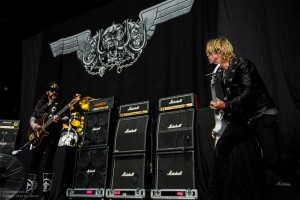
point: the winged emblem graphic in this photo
(119, 45)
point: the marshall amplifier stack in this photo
(8, 134)
(130, 153)
(174, 157)
(93, 160)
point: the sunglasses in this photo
(52, 90)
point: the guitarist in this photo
(249, 110)
(50, 103)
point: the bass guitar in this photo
(35, 136)
(220, 122)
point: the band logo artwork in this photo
(121, 44)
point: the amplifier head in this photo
(177, 102)
(9, 124)
(103, 103)
(140, 108)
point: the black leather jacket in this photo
(245, 94)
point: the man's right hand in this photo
(217, 105)
(35, 126)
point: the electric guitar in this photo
(35, 136)
(220, 122)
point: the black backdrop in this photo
(174, 61)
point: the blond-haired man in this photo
(248, 109)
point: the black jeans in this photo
(265, 129)
(43, 154)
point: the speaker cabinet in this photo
(129, 130)
(91, 168)
(128, 171)
(175, 170)
(175, 130)
(97, 127)
(7, 141)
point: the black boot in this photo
(31, 185)
(47, 185)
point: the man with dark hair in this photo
(249, 110)
(43, 153)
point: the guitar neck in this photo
(213, 92)
(215, 75)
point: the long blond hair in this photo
(221, 45)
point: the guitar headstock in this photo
(216, 74)
(75, 99)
